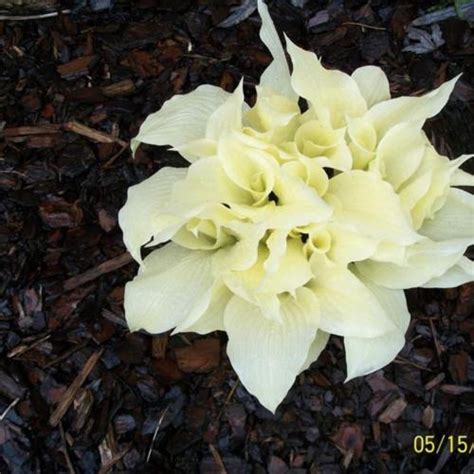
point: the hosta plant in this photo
(290, 225)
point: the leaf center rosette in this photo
(292, 225)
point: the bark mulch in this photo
(78, 392)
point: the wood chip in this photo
(202, 356)
(393, 411)
(455, 389)
(428, 417)
(26, 131)
(119, 88)
(434, 381)
(72, 390)
(77, 67)
(101, 269)
(96, 135)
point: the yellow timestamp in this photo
(431, 444)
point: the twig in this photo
(66, 354)
(155, 434)
(40, 16)
(106, 267)
(403, 361)
(110, 162)
(22, 348)
(72, 390)
(104, 469)
(9, 407)
(438, 347)
(363, 25)
(65, 450)
(217, 458)
(88, 132)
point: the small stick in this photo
(217, 458)
(106, 468)
(65, 450)
(155, 434)
(33, 17)
(88, 132)
(65, 355)
(72, 390)
(9, 407)
(363, 25)
(26, 130)
(106, 267)
(22, 348)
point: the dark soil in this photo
(78, 392)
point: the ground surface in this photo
(78, 392)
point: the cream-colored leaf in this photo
(182, 118)
(331, 93)
(277, 75)
(425, 260)
(400, 152)
(293, 272)
(373, 84)
(363, 141)
(228, 116)
(385, 115)
(348, 245)
(271, 111)
(267, 355)
(143, 214)
(366, 355)
(213, 317)
(172, 284)
(371, 206)
(459, 274)
(317, 346)
(454, 220)
(348, 307)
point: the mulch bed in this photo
(80, 393)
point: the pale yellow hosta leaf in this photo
(324, 144)
(459, 274)
(333, 94)
(212, 319)
(348, 245)
(373, 84)
(400, 152)
(182, 118)
(228, 117)
(348, 307)
(277, 75)
(371, 206)
(206, 233)
(427, 189)
(317, 346)
(143, 216)
(252, 170)
(206, 183)
(312, 174)
(173, 283)
(293, 271)
(425, 260)
(276, 244)
(454, 220)
(366, 355)
(271, 111)
(461, 177)
(385, 115)
(363, 141)
(266, 354)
